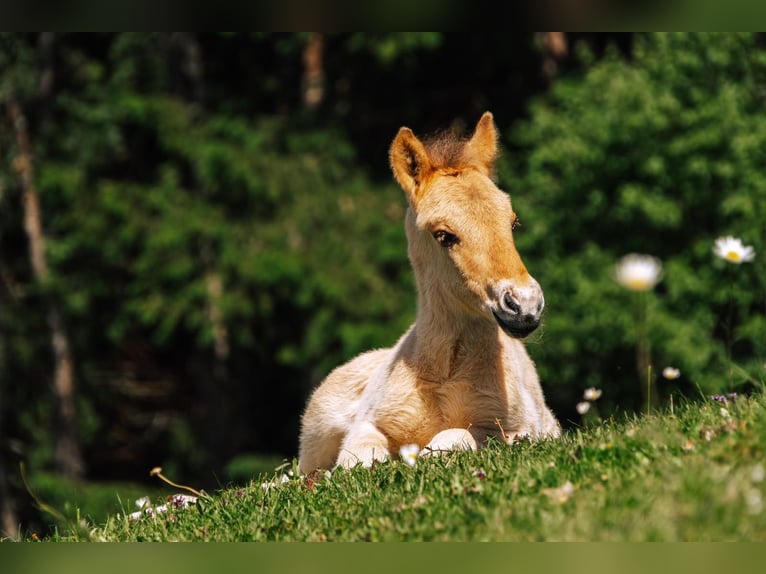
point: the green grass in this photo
(66, 503)
(695, 474)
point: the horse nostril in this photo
(509, 304)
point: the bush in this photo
(659, 155)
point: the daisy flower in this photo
(409, 453)
(591, 394)
(638, 272)
(671, 373)
(732, 250)
(583, 407)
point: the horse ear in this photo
(482, 147)
(410, 163)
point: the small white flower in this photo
(591, 394)
(671, 373)
(182, 500)
(638, 272)
(725, 413)
(732, 250)
(754, 501)
(145, 508)
(409, 453)
(583, 407)
(148, 511)
(283, 478)
(561, 494)
(757, 473)
(175, 500)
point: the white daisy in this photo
(638, 272)
(591, 394)
(583, 407)
(671, 373)
(732, 250)
(409, 453)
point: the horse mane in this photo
(448, 150)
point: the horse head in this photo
(460, 229)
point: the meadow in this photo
(694, 472)
(208, 245)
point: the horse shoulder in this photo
(345, 385)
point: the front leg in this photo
(363, 444)
(449, 440)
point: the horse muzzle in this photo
(518, 308)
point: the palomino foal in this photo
(460, 373)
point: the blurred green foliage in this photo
(243, 469)
(74, 504)
(148, 194)
(658, 155)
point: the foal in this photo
(460, 374)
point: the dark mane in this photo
(446, 149)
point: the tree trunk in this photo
(220, 397)
(555, 48)
(67, 455)
(9, 523)
(312, 82)
(217, 389)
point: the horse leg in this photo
(319, 449)
(363, 444)
(449, 440)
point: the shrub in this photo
(658, 155)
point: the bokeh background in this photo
(196, 228)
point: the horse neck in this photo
(447, 338)
(445, 333)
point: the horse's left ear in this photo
(482, 147)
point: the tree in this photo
(67, 454)
(659, 155)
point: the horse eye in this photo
(446, 239)
(515, 223)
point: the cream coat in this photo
(460, 374)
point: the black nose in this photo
(509, 304)
(519, 309)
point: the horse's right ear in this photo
(410, 163)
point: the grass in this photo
(696, 474)
(63, 503)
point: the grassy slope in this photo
(697, 474)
